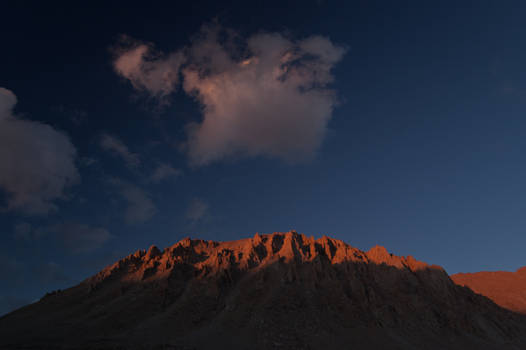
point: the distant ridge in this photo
(271, 291)
(507, 289)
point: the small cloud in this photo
(88, 161)
(80, 238)
(163, 172)
(115, 146)
(140, 207)
(197, 210)
(37, 162)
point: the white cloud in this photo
(118, 148)
(140, 207)
(164, 171)
(268, 96)
(37, 162)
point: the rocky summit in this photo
(271, 291)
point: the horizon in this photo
(371, 122)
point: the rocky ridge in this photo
(281, 290)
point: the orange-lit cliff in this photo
(507, 289)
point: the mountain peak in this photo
(379, 254)
(251, 253)
(279, 288)
(152, 252)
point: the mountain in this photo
(507, 289)
(271, 291)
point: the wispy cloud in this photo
(75, 237)
(164, 171)
(80, 238)
(197, 210)
(37, 162)
(139, 205)
(267, 96)
(146, 69)
(115, 146)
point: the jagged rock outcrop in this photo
(271, 291)
(505, 288)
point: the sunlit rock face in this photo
(271, 291)
(507, 289)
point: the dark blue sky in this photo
(423, 154)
